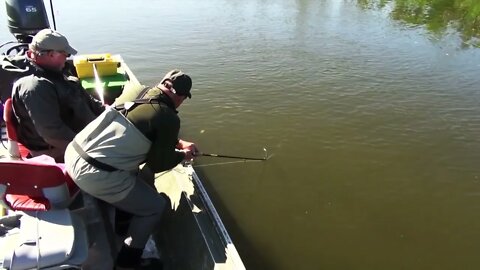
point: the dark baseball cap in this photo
(51, 40)
(181, 82)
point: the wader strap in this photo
(90, 160)
(143, 92)
(130, 105)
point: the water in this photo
(373, 124)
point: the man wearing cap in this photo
(104, 158)
(50, 107)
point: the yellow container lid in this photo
(104, 63)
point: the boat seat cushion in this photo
(35, 184)
(26, 203)
(49, 236)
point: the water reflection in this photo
(439, 17)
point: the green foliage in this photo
(437, 16)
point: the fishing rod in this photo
(53, 16)
(98, 84)
(227, 156)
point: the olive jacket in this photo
(50, 108)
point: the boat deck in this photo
(191, 235)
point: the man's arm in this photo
(93, 104)
(41, 102)
(163, 154)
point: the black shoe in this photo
(145, 264)
(129, 257)
(151, 264)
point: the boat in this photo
(47, 223)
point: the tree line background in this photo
(439, 17)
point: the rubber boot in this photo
(128, 258)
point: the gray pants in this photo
(56, 153)
(147, 206)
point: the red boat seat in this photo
(15, 149)
(35, 184)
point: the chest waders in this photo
(124, 109)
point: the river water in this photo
(373, 124)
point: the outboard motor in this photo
(26, 18)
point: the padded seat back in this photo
(15, 149)
(35, 184)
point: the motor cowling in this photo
(26, 18)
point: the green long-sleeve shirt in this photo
(160, 123)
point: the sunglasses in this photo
(62, 52)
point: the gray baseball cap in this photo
(51, 40)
